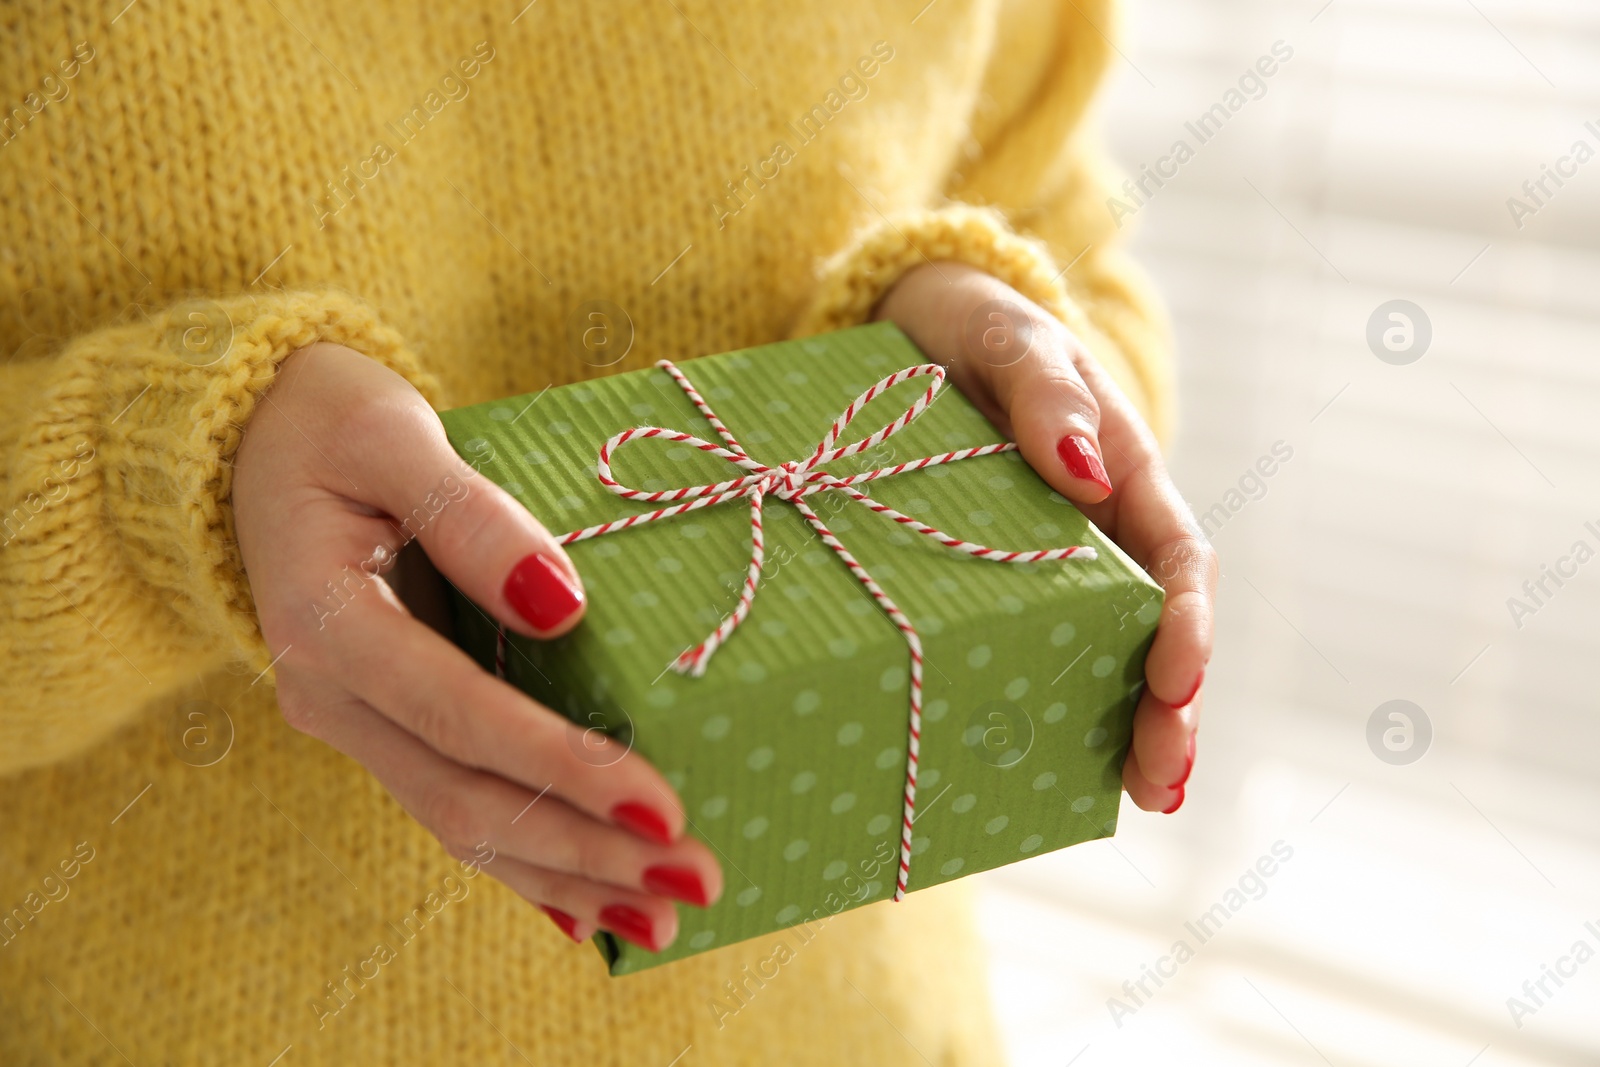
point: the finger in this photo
(647, 921)
(1147, 794)
(550, 833)
(439, 796)
(434, 691)
(1159, 533)
(1027, 359)
(465, 808)
(374, 442)
(569, 924)
(1015, 361)
(479, 537)
(1151, 521)
(1164, 739)
(361, 638)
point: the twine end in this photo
(690, 662)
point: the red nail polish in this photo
(1188, 767)
(642, 820)
(629, 924)
(679, 883)
(1176, 804)
(1186, 701)
(1081, 460)
(542, 593)
(568, 924)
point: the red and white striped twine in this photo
(794, 482)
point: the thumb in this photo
(1026, 358)
(1015, 361)
(477, 535)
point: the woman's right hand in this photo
(342, 463)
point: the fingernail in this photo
(1186, 701)
(542, 593)
(1081, 460)
(1187, 767)
(630, 924)
(1176, 804)
(568, 924)
(642, 820)
(679, 883)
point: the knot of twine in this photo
(794, 482)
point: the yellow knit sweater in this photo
(190, 192)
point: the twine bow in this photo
(794, 482)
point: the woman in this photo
(247, 250)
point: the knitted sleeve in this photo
(120, 577)
(1030, 207)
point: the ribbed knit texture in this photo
(193, 191)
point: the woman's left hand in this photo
(1038, 384)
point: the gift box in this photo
(871, 649)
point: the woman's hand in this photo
(1038, 384)
(342, 464)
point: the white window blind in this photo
(1375, 563)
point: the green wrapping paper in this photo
(789, 753)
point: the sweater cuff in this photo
(174, 395)
(854, 280)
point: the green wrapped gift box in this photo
(790, 751)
